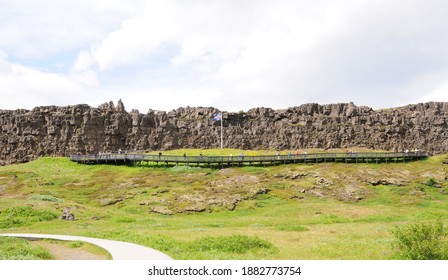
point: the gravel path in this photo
(118, 249)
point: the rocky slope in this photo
(51, 130)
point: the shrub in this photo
(18, 216)
(431, 182)
(421, 241)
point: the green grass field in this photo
(301, 211)
(20, 249)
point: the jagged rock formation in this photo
(51, 130)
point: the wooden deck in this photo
(134, 159)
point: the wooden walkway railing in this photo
(142, 159)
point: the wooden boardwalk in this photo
(135, 159)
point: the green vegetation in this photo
(44, 197)
(302, 211)
(19, 249)
(239, 244)
(19, 216)
(421, 241)
(75, 244)
(431, 182)
(207, 247)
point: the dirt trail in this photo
(60, 251)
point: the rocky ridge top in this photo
(61, 131)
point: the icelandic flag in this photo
(217, 117)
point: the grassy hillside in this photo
(312, 211)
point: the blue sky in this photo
(233, 55)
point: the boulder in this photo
(67, 215)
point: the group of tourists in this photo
(238, 157)
(411, 151)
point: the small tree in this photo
(421, 241)
(431, 182)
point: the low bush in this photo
(19, 216)
(421, 241)
(431, 182)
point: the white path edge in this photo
(118, 249)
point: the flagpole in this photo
(221, 130)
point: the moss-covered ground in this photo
(301, 211)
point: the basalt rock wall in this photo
(51, 130)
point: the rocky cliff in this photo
(51, 130)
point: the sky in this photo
(229, 54)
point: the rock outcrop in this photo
(51, 130)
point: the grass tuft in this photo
(24, 215)
(297, 228)
(19, 249)
(125, 220)
(239, 244)
(75, 244)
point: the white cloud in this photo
(5, 68)
(137, 37)
(32, 29)
(234, 54)
(439, 94)
(83, 62)
(87, 78)
(432, 87)
(24, 87)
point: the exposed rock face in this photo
(51, 130)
